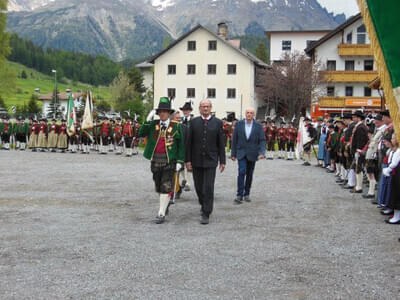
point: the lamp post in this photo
(55, 93)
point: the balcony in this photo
(355, 50)
(349, 102)
(349, 76)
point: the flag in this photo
(87, 121)
(71, 116)
(381, 20)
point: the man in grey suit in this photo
(248, 145)
(205, 147)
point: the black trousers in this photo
(204, 179)
(290, 146)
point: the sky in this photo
(348, 7)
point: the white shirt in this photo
(248, 128)
(164, 123)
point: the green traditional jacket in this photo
(21, 128)
(173, 142)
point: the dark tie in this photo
(205, 121)
(163, 126)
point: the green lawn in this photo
(26, 87)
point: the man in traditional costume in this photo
(291, 134)
(358, 141)
(270, 135)
(165, 149)
(21, 132)
(281, 136)
(128, 132)
(118, 138)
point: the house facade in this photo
(347, 65)
(62, 99)
(282, 42)
(204, 65)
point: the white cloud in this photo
(348, 7)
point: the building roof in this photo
(338, 29)
(268, 33)
(242, 51)
(60, 96)
(144, 64)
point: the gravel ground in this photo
(81, 227)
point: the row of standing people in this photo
(105, 136)
(364, 152)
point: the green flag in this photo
(71, 116)
(381, 19)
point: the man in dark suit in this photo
(205, 147)
(248, 145)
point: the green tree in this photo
(33, 106)
(2, 103)
(103, 106)
(136, 80)
(7, 77)
(167, 41)
(23, 75)
(261, 52)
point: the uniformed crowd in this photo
(358, 149)
(105, 136)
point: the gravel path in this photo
(81, 227)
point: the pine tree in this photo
(23, 75)
(261, 52)
(33, 106)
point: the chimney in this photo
(223, 30)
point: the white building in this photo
(146, 69)
(204, 65)
(347, 64)
(62, 99)
(282, 42)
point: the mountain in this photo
(135, 29)
(116, 29)
(244, 16)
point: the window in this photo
(286, 45)
(231, 93)
(367, 92)
(212, 45)
(331, 65)
(212, 69)
(309, 42)
(231, 69)
(330, 91)
(361, 35)
(171, 93)
(171, 69)
(368, 65)
(191, 69)
(191, 93)
(349, 65)
(211, 93)
(349, 38)
(191, 45)
(349, 91)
